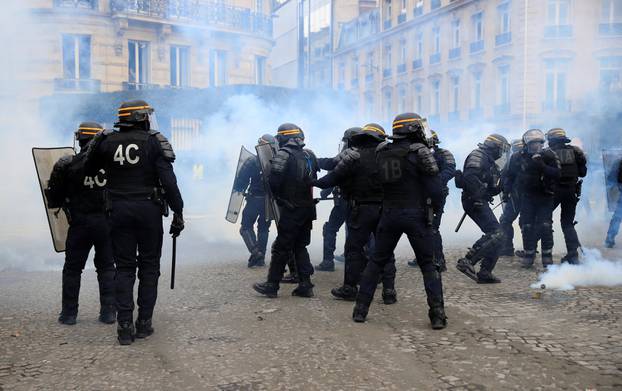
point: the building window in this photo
(434, 4)
(611, 74)
(435, 57)
(354, 71)
(388, 104)
(611, 17)
(454, 52)
(185, 133)
(401, 99)
(455, 94)
(419, 50)
(477, 43)
(259, 6)
(138, 64)
(218, 68)
(504, 34)
(556, 85)
(180, 66)
(418, 8)
(260, 70)
(386, 72)
(401, 66)
(436, 98)
(558, 19)
(91, 4)
(387, 14)
(419, 98)
(503, 89)
(76, 57)
(369, 75)
(476, 101)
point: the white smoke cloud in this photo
(594, 270)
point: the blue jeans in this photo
(616, 219)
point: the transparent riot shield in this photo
(45, 159)
(237, 192)
(611, 162)
(265, 153)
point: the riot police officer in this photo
(511, 208)
(535, 171)
(568, 190)
(480, 182)
(81, 197)
(138, 161)
(291, 176)
(358, 176)
(339, 212)
(249, 180)
(447, 170)
(409, 176)
(616, 219)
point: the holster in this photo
(429, 213)
(157, 196)
(579, 189)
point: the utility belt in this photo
(402, 204)
(156, 195)
(355, 203)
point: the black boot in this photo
(389, 296)
(268, 289)
(125, 333)
(438, 319)
(67, 319)
(340, 258)
(572, 258)
(465, 266)
(359, 315)
(547, 258)
(143, 328)
(290, 278)
(345, 292)
(107, 314)
(486, 277)
(527, 260)
(304, 289)
(326, 266)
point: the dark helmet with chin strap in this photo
(411, 126)
(136, 112)
(517, 145)
(87, 130)
(373, 131)
(534, 141)
(348, 135)
(268, 139)
(288, 132)
(557, 135)
(497, 145)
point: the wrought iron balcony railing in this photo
(195, 11)
(88, 4)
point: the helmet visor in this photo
(153, 121)
(425, 128)
(535, 147)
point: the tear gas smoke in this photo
(594, 270)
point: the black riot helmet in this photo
(517, 145)
(434, 141)
(534, 141)
(287, 132)
(497, 145)
(268, 139)
(86, 131)
(557, 136)
(411, 126)
(373, 131)
(137, 113)
(346, 140)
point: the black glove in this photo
(177, 225)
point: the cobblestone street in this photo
(214, 332)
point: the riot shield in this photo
(611, 161)
(45, 159)
(265, 153)
(237, 196)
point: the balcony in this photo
(561, 105)
(417, 64)
(476, 114)
(129, 86)
(454, 116)
(435, 58)
(610, 29)
(454, 53)
(503, 38)
(558, 31)
(77, 85)
(502, 109)
(401, 68)
(386, 72)
(477, 46)
(354, 83)
(387, 24)
(401, 18)
(211, 14)
(83, 4)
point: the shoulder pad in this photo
(475, 159)
(165, 146)
(425, 158)
(310, 153)
(448, 156)
(279, 162)
(382, 145)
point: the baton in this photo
(324, 199)
(461, 221)
(173, 262)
